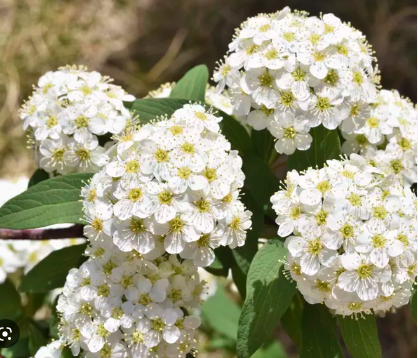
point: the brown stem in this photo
(75, 231)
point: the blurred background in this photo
(144, 43)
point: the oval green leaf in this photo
(52, 271)
(11, 306)
(269, 294)
(319, 333)
(220, 313)
(192, 85)
(37, 177)
(360, 336)
(52, 201)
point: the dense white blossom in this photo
(353, 237)
(168, 195)
(177, 179)
(67, 112)
(386, 135)
(128, 304)
(318, 69)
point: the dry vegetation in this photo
(143, 43)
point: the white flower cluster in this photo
(24, 254)
(353, 243)
(67, 112)
(120, 304)
(220, 101)
(177, 178)
(386, 135)
(168, 196)
(288, 72)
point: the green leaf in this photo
(360, 336)
(37, 177)
(223, 261)
(66, 353)
(217, 268)
(221, 314)
(19, 350)
(292, 319)
(54, 320)
(263, 145)
(222, 343)
(261, 182)
(34, 302)
(149, 108)
(36, 339)
(52, 271)
(326, 145)
(11, 306)
(235, 133)
(269, 294)
(272, 350)
(192, 85)
(319, 333)
(52, 201)
(244, 255)
(414, 305)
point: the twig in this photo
(75, 231)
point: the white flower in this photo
(237, 222)
(161, 325)
(73, 105)
(52, 350)
(316, 185)
(380, 247)
(312, 252)
(354, 243)
(361, 277)
(133, 234)
(291, 132)
(201, 250)
(84, 157)
(318, 68)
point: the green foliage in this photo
(37, 177)
(263, 145)
(244, 255)
(319, 333)
(19, 350)
(221, 314)
(326, 145)
(223, 262)
(269, 294)
(192, 85)
(235, 133)
(360, 336)
(271, 350)
(150, 108)
(36, 338)
(292, 319)
(11, 306)
(52, 271)
(66, 353)
(261, 182)
(49, 202)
